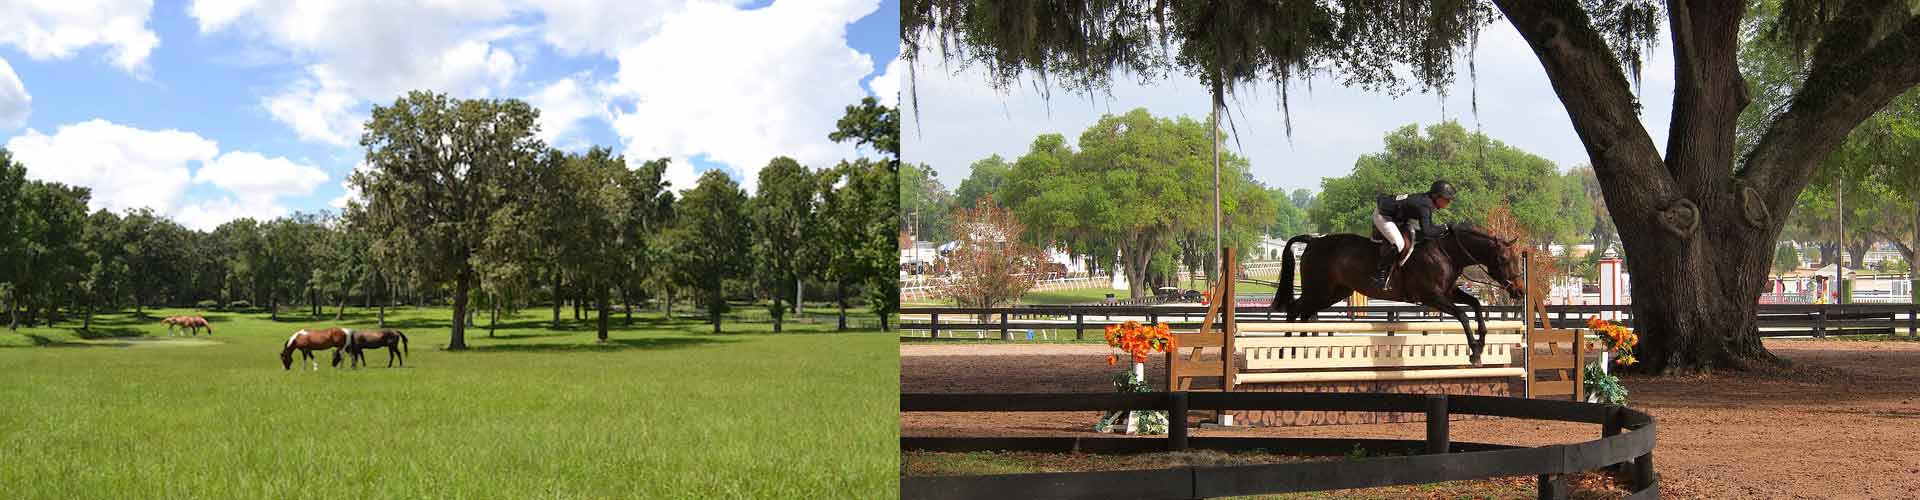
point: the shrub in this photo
(208, 304)
(239, 304)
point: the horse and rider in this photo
(1410, 259)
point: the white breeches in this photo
(1391, 232)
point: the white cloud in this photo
(563, 104)
(318, 109)
(15, 103)
(251, 174)
(886, 87)
(372, 51)
(742, 87)
(961, 119)
(208, 214)
(58, 28)
(577, 27)
(128, 168)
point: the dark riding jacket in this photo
(1413, 212)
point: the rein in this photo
(1455, 236)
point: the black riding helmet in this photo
(1441, 189)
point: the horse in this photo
(308, 341)
(186, 322)
(196, 323)
(393, 340)
(1336, 265)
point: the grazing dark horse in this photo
(393, 340)
(1336, 265)
(308, 341)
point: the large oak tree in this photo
(440, 168)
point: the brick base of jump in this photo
(1509, 386)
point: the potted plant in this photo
(1136, 341)
(1601, 386)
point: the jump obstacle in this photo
(1426, 357)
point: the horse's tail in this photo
(1283, 291)
(405, 347)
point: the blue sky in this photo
(209, 110)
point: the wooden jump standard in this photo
(1427, 357)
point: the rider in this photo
(1399, 217)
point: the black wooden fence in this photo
(1434, 459)
(1775, 320)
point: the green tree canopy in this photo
(710, 240)
(441, 168)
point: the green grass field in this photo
(663, 410)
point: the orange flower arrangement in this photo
(1619, 339)
(1138, 340)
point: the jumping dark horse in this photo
(393, 340)
(1334, 266)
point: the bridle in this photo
(1455, 236)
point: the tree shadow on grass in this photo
(650, 344)
(44, 341)
(107, 333)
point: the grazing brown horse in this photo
(308, 341)
(1336, 265)
(187, 322)
(393, 340)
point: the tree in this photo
(52, 220)
(599, 207)
(1289, 213)
(106, 262)
(1129, 188)
(440, 169)
(13, 177)
(1785, 259)
(871, 125)
(710, 240)
(783, 211)
(1706, 229)
(983, 180)
(992, 265)
(649, 209)
(864, 211)
(924, 203)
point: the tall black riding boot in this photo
(1387, 256)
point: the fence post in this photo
(1177, 421)
(933, 326)
(1080, 326)
(1820, 322)
(1616, 420)
(1437, 423)
(1004, 335)
(1643, 475)
(1913, 322)
(1553, 487)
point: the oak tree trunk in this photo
(458, 339)
(603, 299)
(1698, 234)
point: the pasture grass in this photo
(665, 409)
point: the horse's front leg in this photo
(1462, 297)
(1473, 354)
